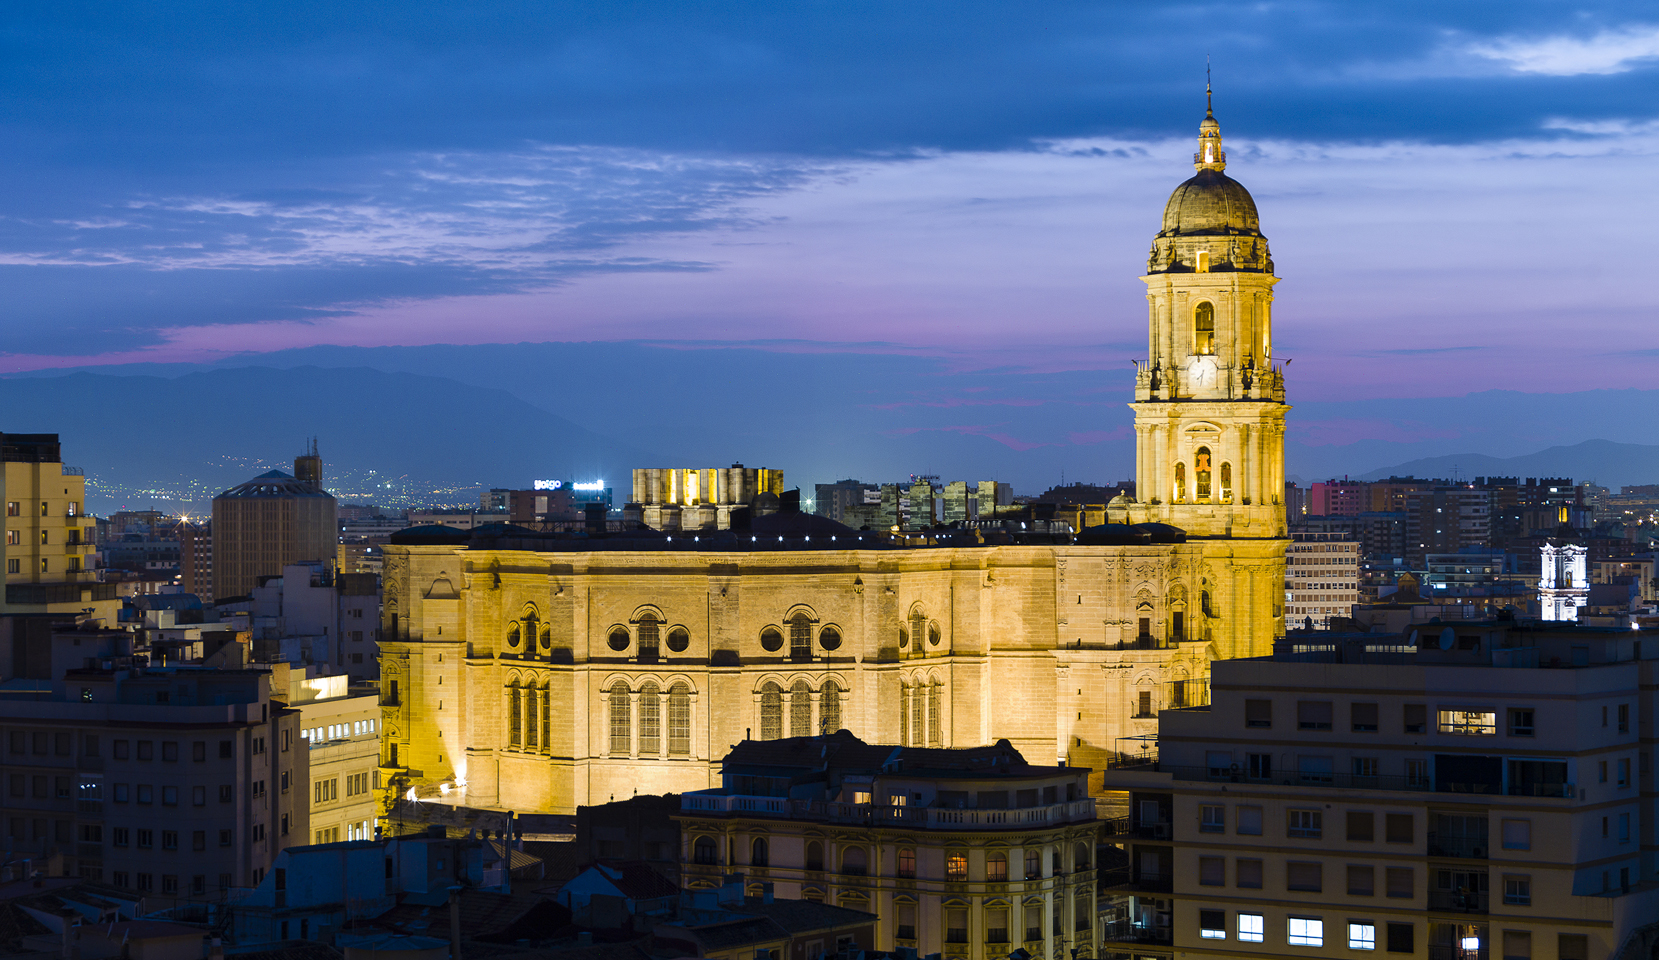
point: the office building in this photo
(271, 521)
(1321, 579)
(1467, 790)
(972, 853)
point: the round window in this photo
(904, 638)
(513, 635)
(619, 638)
(829, 638)
(546, 637)
(933, 636)
(771, 639)
(678, 639)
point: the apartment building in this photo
(1450, 792)
(1321, 578)
(180, 782)
(969, 853)
(340, 725)
(48, 545)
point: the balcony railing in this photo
(1448, 951)
(1471, 847)
(1151, 881)
(1128, 931)
(715, 802)
(1137, 828)
(1458, 901)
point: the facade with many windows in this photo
(1451, 791)
(969, 853)
(1321, 578)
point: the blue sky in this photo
(1457, 195)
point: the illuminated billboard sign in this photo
(593, 487)
(547, 484)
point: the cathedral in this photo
(542, 672)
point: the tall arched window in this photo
(679, 720)
(1226, 483)
(814, 855)
(855, 862)
(515, 731)
(800, 637)
(1081, 858)
(532, 630)
(1203, 329)
(757, 853)
(647, 638)
(800, 710)
(621, 721)
(935, 732)
(703, 850)
(904, 716)
(771, 711)
(918, 729)
(547, 718)
(996, 867)
(650, 721)
(1180, 481)
(530, 725)
(918, 629)
(829, 708)
(1201, 473)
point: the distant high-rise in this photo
(48, 541)
(272, 520)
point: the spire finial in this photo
(1209, 109)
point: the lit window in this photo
(1212, 924)
(1307, 932)
(1362, 936)
(1469, 723)
(1250, 927)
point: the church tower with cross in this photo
(1209, 398)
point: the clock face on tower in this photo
(1201, 372)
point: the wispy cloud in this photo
(1606, 52)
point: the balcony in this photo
(1350, 781)
(1128, 931)
(1449, 951)
(1127, 879)
(1135, 827)
(1473, 848)
(1458, 901)
(718, 803)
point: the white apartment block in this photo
(1321, 579)
(1449, 793)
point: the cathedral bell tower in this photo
(1209, 401)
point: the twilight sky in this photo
(1459, 196)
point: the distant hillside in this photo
(1599, 461)
(202, 432)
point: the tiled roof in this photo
(805, 916)
(636, 880)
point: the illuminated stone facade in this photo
(547, 673)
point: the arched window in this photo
(1226, 483)
(678, 639)
(1203, 329)
(621, 721)
(904, 716)
(918, 728)
(757, 852)
(703, 850)
(771, 711)
(800, 710)
(829, 638)
(650, 721)
(956, 865)
(618, 639)
(513, 635)
(515, 732)
(1180, 481)
(855, 862)
(771, 640)
(907, 862)
(1080, 856)
(1056, 867)
(800, 637)
(547, 719)
(1033, 863)
(532, 630)
(531, 728)
(647, 638)
(935, 732)
(918, 629)
(996, 867)
(814, 855)
(829, 708)
(679, 720)
(1201, 473)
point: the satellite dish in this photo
(1447, 638)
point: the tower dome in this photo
(1210, 222)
